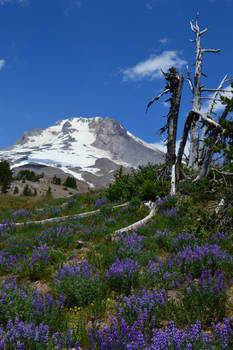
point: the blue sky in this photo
(66, 58)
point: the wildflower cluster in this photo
(20, 335)
(100, 202)
(22, 213)
(31, 305)
(7, 227)
(78, 284)
(123, 274)
(121, 335)
(59, 236)
(145, 307)
(129, 244)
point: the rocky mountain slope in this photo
(90, 149)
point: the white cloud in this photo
(149, 6)
(78, 3)
(163, 41)
(2, 64)
(163, 147)
(75, 3)
(20, 2)
(151, 68)
(218, 107)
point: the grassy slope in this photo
(91, 239)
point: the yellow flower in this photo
(195, 280)
(207, 309)
(208, 332)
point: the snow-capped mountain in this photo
(90, 149)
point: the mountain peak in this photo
(77, 145)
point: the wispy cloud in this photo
(78, 3)
(218, 107)
(149, 6)
(20, 2)
(74, 3)
(2, 64)
(163, 41)
(151, 67)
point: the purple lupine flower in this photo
(130, 241)
(183, 240)
(22, 212)
(100, 202)
(60, 235)
(83, 270)
(172, 212)
(7, 227)
(121, 267)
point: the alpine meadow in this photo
(107, 242)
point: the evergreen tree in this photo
(5, 175)
(27, 191)
(56, 180)
(70, 182)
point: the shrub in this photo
(148, 190)
(123, 275)
(204, 298)
(27, 191)
(28, 175)
(70, 182)
(5, 176)
(126, 186)
(16, 190)
(56, 180)
(78, 284)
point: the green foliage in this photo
(27, 191)
(56, 180)
(28, 175)
(78, 290)
(49, 192)
(126, 186)
(203, 305)
(16, 190)
(70, 182)
(147, 191)
(5, 176)
(201, 190)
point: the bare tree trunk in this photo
(172, 132)
(186, 129)
(194, 131)
(173, 180)
(194, 135)
(172, 123)
(174, 86)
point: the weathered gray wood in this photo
(174, 87)
(63, 218)
(195, 125)
(183, 141)
(137, 224)
(165, 91)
